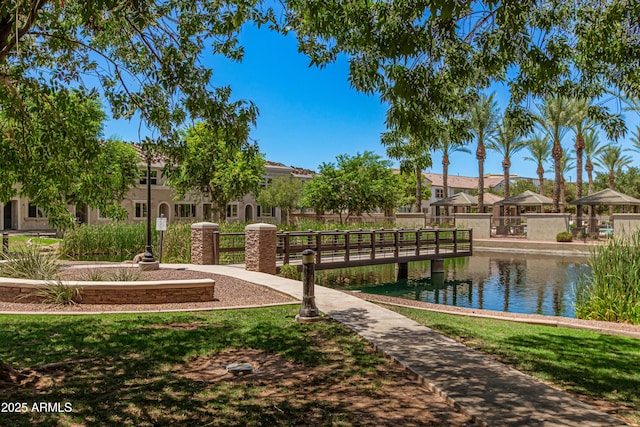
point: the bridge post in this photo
(202, 243)
(437, 271)
(308, 311)
(260, 248)
(402, 271)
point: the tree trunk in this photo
(445, 184)
(9, 374)
(579, 150)
(540, 172)
(418, 190)
(506, 164)
(481, 153)
(557, 158)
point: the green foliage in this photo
(627, 181)
(29, 263)
(522, 185)
(66, 162)
(564, 236)
(407, 183)
(125, 275)
(612, 292)
(176, 245)
(289, 271)
(116, 241)
(58, 293)
(284, 192)
(216, 165)
(353, 185)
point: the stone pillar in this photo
(626, 225)
(202, 248)
(260, 248)
(479, 222)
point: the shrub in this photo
(29, 263)
(612, 291)
(289, 271)
(564, 236)
(114, 242)
(125, 275)
(176, 245)
(58, 293)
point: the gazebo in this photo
(606, 197)
(457, 200)
(525, 199)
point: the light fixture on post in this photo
(148, 261)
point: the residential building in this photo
(20, 214)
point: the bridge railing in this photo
(350, 247)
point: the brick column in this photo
(202, 250)
(260, 248)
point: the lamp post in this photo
(148, 261)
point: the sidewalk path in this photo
(490, 392)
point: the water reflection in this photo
(515, 283)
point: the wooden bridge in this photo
(353, 248)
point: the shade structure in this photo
(458, 199)
(526, 198)
(607, 197)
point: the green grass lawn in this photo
(124, 369)
(19, 241)
(585, 363)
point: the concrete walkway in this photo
(490, 392)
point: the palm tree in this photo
(592, 149)
(566, 165)
(540, 149)
(413, 156)
(635, 140)
(483, 120)
(554, 118)
(447, 148)
(612, 160)
(579, 123)
(507, 143)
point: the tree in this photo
(592, 150)
(354, 184)
(55, 156)
(284, 192)
(414, 156)
(507, 142)
(408, 186)
(627, 181)
(612, 160)
(143, 57)
(554, 119)
(447, 148)
(216, 166)
(428, 60)
(540, 149)
(483, 120)
(579, 123)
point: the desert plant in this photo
(94, 275)
(289, 271)
(125, 275)
(58, 293)
(564, 236)
(29, 263)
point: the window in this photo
(439, 193)
(185, 210)
(207, 211)
(154, 177)
(35, 212)
(140, 210)
(266, 211)
(232, 210)
(265, 183)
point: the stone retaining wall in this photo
(142, 292)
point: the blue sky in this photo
(310, 115)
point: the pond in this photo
(511, 282)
